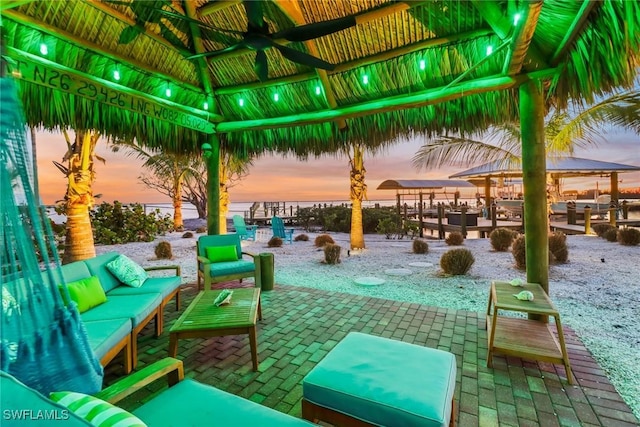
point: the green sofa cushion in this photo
(196, 404)
(98, 267)
(163, 285)
(222, 253)
(136, 307)
(105, 334)
(384, 382)
(87, 293)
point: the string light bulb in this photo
(489, 50)
(423, 64)
(205, 105)
(365, 79)
(276, 97)
(318, 90)
(241, 102)
(44, 49)
(516, 19)
(116, 75)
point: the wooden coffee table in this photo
(202, 319)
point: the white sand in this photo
(599, 300)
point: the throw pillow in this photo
(222, 253)
(127, 271)
(87, 293)
(96, 411)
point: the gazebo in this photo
(309, 77)
(557, 168)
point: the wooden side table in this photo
(202, 319)
(521, 337)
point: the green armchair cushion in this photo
(96, 411)
(127, 271)
(87, 293)
(222, 253)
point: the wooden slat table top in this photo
(504, 299)
(203, 314)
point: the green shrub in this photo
(163, 250)
(501, 239)
(117, 224)
(187, 235)
(338, 218)
(420, 246)
(519, 252)
(602, 228)
(629, 236)
(274, 242)
(201, 230)
(457, 261)
(454, 239)
(301, 238)
(388, 227)
(332, 254)
(323, 239)
(411, 230)
(558, 251)
(611, 235)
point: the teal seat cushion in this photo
(23, 406)
(135, 307)
(75, 271)
(98, 267)
(384, 382)
(232, 267)
(105, 334)
(194, 404)
(162, 285)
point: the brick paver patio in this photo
(301, 325)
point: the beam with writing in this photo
(43, 72)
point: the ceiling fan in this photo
(258, 38)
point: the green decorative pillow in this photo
(96, 411)
(222, 253)
(127, 271)
(87, 293)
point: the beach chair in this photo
(246, 232)
(220, 260)
(277, 225)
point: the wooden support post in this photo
(534, 174)
(587, 219)
(625, 209)
(494, 216)
(212, 157)
(614, 187)
(440, 215)
(463, 221)
(420, 218)
(612, 214)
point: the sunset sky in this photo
(274, 178)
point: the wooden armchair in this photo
(277, 225)
(219, 262)
(246, 232)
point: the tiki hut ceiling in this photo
(307, 76)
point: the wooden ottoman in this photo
(368, 380)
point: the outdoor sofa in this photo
(113, 325)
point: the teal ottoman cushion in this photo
(190, 403)
(384, 382)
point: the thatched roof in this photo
(560, 166)
(426, 67)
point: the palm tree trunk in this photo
(34, 164)
(178, 223)
(224, 195)
(358, 192)
(79, 242)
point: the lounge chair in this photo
(185, 403)
(246, 232)
(277, 225)
(220, 259)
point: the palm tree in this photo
(232, 170)
(79, 198)
(564, 133)
(358, 193)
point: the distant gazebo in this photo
(557, 168)
(420, 187)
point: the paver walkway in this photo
(301, 325)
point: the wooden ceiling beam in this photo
(401, 102)
(291, 8)
(503, 27)
(350, 65)
(215, 6)
(13, 4)
(201, 64)
(522, 37)
(85, 44)
(361, 18)
(104, 8)
(574, 30)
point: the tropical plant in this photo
(457, 261)
(275, 242)
(455, 238)
(163, 250)
(629, 236)
(79, 199)
(501, 239)
(322, 240)
(358, 193)
(420, 246)
(332, 254)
